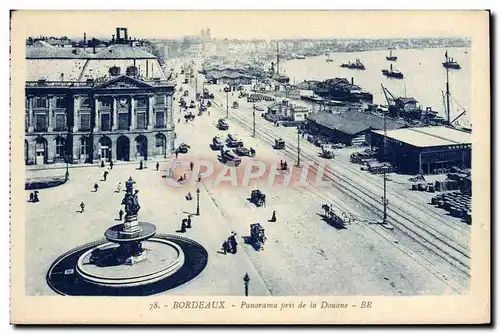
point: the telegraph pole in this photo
(227, 103)
(253, 120)
(298, 147)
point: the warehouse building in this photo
(425, 150)
(349, 128)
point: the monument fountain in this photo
(132, 259)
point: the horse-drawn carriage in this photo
(189, 116)
(339, 218)
(232, 141)
(235, 105)
(243, 151)
(258, 198)
(209, 104)
(183, 148)
(257, 236)
(279, 144)
(222, 124)
(217, 143)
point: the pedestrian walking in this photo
(232, 241)
(188, 222)
(96, 186)
(157, 166)
(189, 197)
(105, 175)
(191, 165)
(179, 120)
(119, 187)
(32, 196)
(140, 165)
(111, 164)
(224, 247)
(82, 207)
(176, 154)
(184, 177)
(102, 163)
(183, 226)
(120, 214)
(273, 218)
(35, 196)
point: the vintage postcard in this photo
(250, 167)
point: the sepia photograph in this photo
(229, 171)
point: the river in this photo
(424, 75)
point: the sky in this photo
(246, 24)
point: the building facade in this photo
(116, 112)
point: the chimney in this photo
(93, 45)
(117, 35)
(84, 38)
(352, 80)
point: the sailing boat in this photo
(329, 60)
(391, 57)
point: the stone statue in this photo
(131, 200)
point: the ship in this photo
(357, 65)
(450, 63)
(390, 57)
(329, 60)
(392, 73)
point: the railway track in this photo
(432, 239)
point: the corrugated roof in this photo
(352, 122)
(429, 136)
(123, 51)
(42, 51)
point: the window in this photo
(131, 71)
(40, 102)
(160, 119)
(140, 103)
(160, 99)
(105, 122)
(114, 71)
(85, 122)
(60, 102)
(122, 121)
(40, 122)
(60, 147)
(83, 146)
(60, 122)
(141, 120)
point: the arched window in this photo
(114, 71)
(132, 71)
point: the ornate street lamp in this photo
(246, 279)
(298, 146)
(198, 197)
(66, 175)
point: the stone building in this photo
(115, 104)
